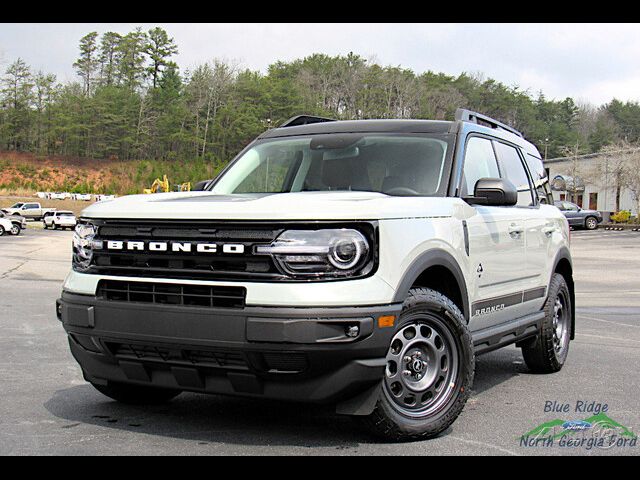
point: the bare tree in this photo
(220, 83)
(632, 177)
(613, 168)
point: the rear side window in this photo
(479, 162)
(514, 170)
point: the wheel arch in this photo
(563, 265)
(438, 270)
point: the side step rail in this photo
(493, 338)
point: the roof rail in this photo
(304, 120)
(474, 117)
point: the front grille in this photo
(236, 265)
(166, 355)
(172, 294)
(186, 265)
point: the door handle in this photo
(515, 231)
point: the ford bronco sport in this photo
(360, 263)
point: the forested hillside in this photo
(133, 102)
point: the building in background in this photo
(590, 181)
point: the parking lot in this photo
(47, 408)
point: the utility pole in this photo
(606, 180)
(546, 144)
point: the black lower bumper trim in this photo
(316, 354)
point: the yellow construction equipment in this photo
(164, 186)
(158, 185)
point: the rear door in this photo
(538, 228)
(31, 210)
(572, 212)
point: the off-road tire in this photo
(135, 394)
(591, 223)
(541, 355)
(387, 420)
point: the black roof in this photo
(364, 126)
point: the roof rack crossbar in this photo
(469, 116)
(305, 120)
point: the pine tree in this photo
(87, 64)
(159, 47)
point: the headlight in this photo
(319, 253)
(83, 245)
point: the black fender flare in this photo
(433, 258)
(565, 254)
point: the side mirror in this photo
(200, 186)
(495, 192)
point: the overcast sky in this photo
(592, 63)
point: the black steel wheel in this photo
(429, 373)
(548, 352)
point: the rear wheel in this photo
(135, 394)
(591, 223)
(55, 225)
(548, 352)
(429, 374)
(1, 230)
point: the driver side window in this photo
(479, 162)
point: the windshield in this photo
(17, 205)
(392, 164)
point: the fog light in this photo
(353, 331)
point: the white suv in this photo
(361, 263)
(6, 226)
(59, 219)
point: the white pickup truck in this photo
(34, 211)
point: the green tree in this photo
(109, 57)
(159, 47)
(17, 94)
(131, 52)
(87, 64)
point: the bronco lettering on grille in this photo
(175, 247)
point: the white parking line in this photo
(608, 321)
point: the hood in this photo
(278, 206)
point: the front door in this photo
(496, 245)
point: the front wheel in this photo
(430, 369)
(591, 223)
(135, 394)
(1, 230)
(15, 230)
(548, 352)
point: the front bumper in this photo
(288, 353)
